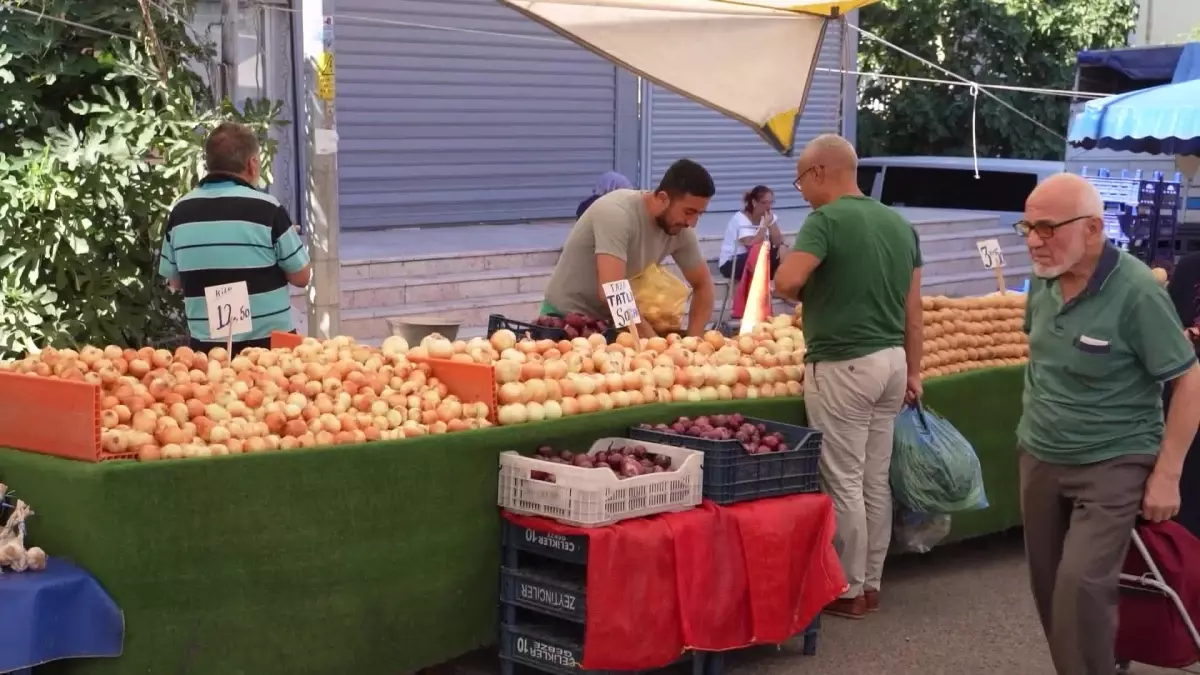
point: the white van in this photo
(950, 183)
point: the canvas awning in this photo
(752, 61)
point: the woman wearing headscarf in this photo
(1184, 289)
(608, 182)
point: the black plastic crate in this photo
(733, 475)
(546, 647)
(531, 330)
(572, 548)
(546, 590)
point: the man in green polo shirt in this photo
(858, 264)
(1103, 339)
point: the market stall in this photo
(383, 556)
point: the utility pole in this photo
(325, 291)
(229, 49)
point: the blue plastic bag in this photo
(934, 468)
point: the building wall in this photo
(1165, 21)
(265, 64)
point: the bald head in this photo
(1069, 194)
(831, 151)
(827, 170)
(1065, 219)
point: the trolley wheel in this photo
(1123, 668)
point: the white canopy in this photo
(752, 61)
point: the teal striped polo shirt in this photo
(226, 231)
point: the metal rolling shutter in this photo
(444, 127)
(738, 158)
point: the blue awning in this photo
(1140, 64)
(1159, 120)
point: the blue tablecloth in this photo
(60, 612)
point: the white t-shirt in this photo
(739, 228)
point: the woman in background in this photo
(608, 182)
(1184, 289)
(748, 227)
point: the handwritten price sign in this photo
(228, 309)
(619, 296)
(990, 253)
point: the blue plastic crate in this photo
(733, 475)
(567, 548)
(542, 590)
(714, 662)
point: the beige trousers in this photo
(855, 403)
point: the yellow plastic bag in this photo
(661, 298)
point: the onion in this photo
(663, 376)
(511, 392)
(507, 371)
(512, 414)
(503, 339)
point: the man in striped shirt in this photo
(226, 231)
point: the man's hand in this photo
(913, 389)
(1161, 501)
(1192, 333)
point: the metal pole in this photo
(324, 292)
(229, 48)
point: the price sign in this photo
(990, 253)
(619, 296)
(228, 310)
(325, 85)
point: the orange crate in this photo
(52, 417)
(470, 382)
(281, 340)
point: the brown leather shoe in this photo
(871, 599)
(848, 608)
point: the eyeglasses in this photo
(800, 178)
(1042, 229)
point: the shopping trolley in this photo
(1152, 583)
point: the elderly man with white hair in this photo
(1094, 450)
(858, 265)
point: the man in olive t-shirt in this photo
(857, 264)
(626, 231)
(1094, 453)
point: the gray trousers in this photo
(1078, 520)
(855, 403)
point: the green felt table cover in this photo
(374, 559)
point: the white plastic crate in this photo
(593, 497)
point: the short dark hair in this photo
(229, 148)
(686, 177)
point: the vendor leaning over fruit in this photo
(627, 231)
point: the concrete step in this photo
(963, 261)
(964, 239)
(979, 282)
(955, 225)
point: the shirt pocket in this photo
(1092, 356)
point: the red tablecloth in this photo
(713, 578)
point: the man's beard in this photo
(1053, 272)
(665, 225)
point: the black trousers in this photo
(238, 346)
(739, 262)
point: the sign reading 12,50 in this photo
(228, 308)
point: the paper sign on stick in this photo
(993, 259)
(990, 253)
(619, 296)
(228, 308)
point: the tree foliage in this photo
(95, 145)
(1030, 43)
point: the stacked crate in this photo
(543, 603)
(543, 607)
